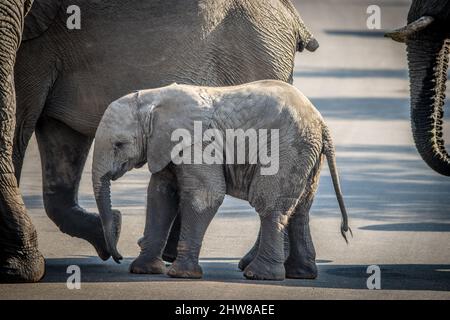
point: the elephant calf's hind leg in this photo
(249, 256)
(269, 261)
(301, 262)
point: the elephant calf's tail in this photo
(328, 150)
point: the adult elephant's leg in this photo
(162, 208)
(33, 83)
(301, 262)
(63, 155)
(170, 251)
(20, 260)
(24, 131)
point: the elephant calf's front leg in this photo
(197, 210)
(162, 208)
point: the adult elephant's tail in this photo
(328, 150)
(305, 38)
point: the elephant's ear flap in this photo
(40, 17)
(175, 126)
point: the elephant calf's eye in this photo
(118, 145)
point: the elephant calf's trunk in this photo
(102, 190)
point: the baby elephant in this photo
(262, 142)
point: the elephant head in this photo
(116, 151)
(427, 37)
(137, 129)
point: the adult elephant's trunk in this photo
(428, 63)
(101, 181)
(20, 260)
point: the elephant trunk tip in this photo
(117, 223)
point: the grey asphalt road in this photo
(399, 208)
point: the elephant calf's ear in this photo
(158, 150)
(173, 129)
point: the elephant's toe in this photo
(28, 267)
(185, 269)
(245, 261)
(145, 265)
(301, 270)
(258, 270)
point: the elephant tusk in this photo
(402, 34)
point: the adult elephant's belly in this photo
(80, 97)
(151, 47)
(109, 58)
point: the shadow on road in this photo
(421, 227)
(393, 277)
(387, 183)
(353, 73)
(363, 108)
(356, 33)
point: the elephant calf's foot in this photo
(260, 270)
(185, 269)
(147, 265)
(300, 270)
(28, 267)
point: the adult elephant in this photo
(65, 79)
(427, 37)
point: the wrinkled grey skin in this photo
(65, 78)
(137, 128)
(20, 259)
(427, 38)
